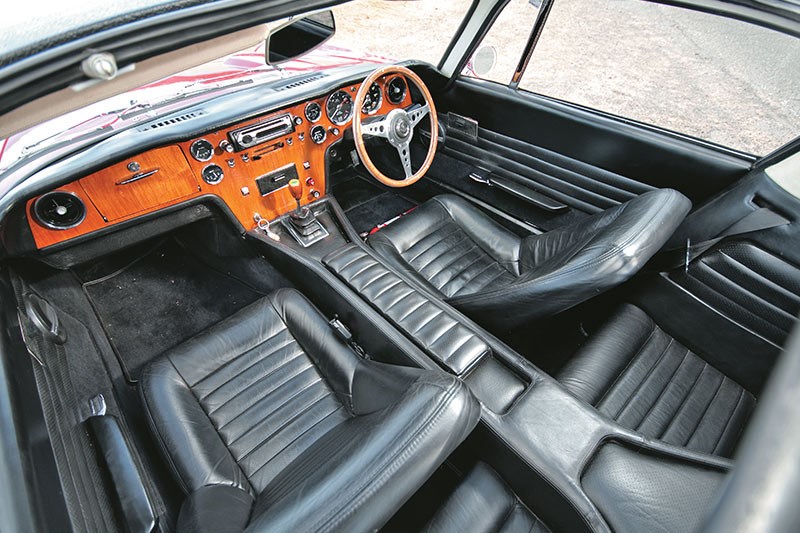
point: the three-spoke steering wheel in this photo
(396, 127)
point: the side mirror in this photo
(484, 60)
(299, 36)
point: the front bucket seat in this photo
(502, 280)
(270, 422)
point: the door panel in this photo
(581, 158)
(579, 185)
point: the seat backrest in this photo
(568, 266)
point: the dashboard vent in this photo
(302, 81)
(173, 120)
(59, 210)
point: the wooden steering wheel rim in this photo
(359, 137)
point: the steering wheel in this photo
(396, 127)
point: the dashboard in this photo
(247, 166)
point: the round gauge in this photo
(339, 107)
(373, 100)
(202, 150)
(59, 210)
(313, 111)
(213, 174)
(396, 90)
(318, 134)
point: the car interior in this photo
(389, 298)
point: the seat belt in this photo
(757, 220)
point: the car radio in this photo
(262, 132)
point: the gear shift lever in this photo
(296, 189)
(302, 218)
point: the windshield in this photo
(367, 32)
(180, 90)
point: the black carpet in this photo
(160, 299)
(367, 205)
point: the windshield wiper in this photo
(146, 107)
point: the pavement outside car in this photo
(707, 76)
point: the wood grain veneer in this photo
(179, 176)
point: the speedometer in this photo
(339, 107)
(373, 99)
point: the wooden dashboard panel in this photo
(162, 177)
(110, 197)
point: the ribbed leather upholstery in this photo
(640, 376)
(451, 343)
(266, 395)
(750, 286)
(452, 262)
(484, 503)
(500, 280)
(272, 403)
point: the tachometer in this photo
(396, 90)
(373, 99)
(313, 111)
(339, 107)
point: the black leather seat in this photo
(502, 280)
(269, 421)
(484, 503)
(634, 372)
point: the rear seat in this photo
(637, 374)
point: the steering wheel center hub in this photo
(399, 127)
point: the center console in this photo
(574, 468)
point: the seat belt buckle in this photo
(688, 257)
(340, 329)
(344, 333)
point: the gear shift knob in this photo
(296, 189)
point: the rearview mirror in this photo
(299, 37)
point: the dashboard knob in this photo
(313, 194)
(310, 181)
(225, 146)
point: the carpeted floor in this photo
(367, 205)
(159, 299)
